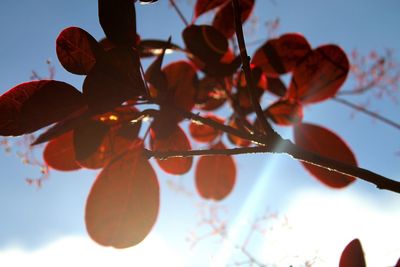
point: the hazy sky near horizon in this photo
(35, 222)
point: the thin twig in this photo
(367, 112)
(251, 86)
(180, 14)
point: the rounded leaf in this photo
(352, 255)
(215, 175)
(281, 55)
(123, 202)
(285, 112)
(30, 106)
(77, 50)
(319, 75)
(175, 141)
(181, 78)
(205, 42)
(236, 123)
(204, 133)
(326, 143)
(59, 153)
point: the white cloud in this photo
(81, 251)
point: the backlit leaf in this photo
(175, 141)
(30, 106)
(352, 255)
(181, 78)
(215, 175)
(235, 123)
(319, 75)
(77, 50)
(326, 143)
(59, 153)
(285, 112)
(204, 133)
(280, 55)
(224, 19)
(123, 202)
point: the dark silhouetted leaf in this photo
(151, 47)
(224, 19)
(202, 6)
(123, 203)
(154, 75)
(285, 112)
(118, 20)
(204, 133)
(352, 255)
(276, 86)
(326, 143)
(88, 137)
(30, 106)
(77, 50)
(59, 153)
(113, 80)
(205, 42)
(215, 175)
(280, 55)
(175, 141)
(319, 75)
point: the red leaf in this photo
(205, 42)
(202, 6)
(123, 203)
(118, 20)
(319, 75)
(285, 112)
(215, 175)
(181, 77)
(326, 143)
(224, 19)
(352, 255)
(398, 263)
(210, 93)
(97, 153)
(204, 133)
(235, 139)
(276, 86)
(280, 55)
(114, 79)
(30, 106)
(77, 50)
(88, 137)
(59, 153)
(175, 141)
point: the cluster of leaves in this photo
(99, 127)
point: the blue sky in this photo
(37, 223)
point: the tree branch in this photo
(251, 86)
